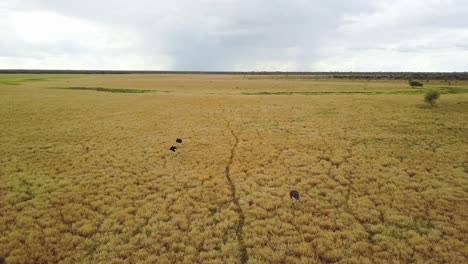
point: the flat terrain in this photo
(86, 175)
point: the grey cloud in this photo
(262, 31)
(216, 35)
(228, 34)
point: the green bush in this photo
(431, 97)
(415, 84)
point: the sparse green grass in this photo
(307, 93)
(19, 79)
(110, 90)
(452, 90)
(442, 90)
(87, 177)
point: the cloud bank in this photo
(235, 35)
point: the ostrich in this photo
(173, 149)
(179, 140)
(294, 195)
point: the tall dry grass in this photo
(86, 176)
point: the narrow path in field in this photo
(240, 224)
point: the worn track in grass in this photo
(240, 224)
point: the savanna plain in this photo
(86, 175)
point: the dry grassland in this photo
(86, 176)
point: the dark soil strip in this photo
(235, 200)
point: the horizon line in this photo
(44, 71)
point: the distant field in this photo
(86, 175)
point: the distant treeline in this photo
(336, 75)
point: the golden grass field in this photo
(86, 176)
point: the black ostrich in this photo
(173, 149)
(179, 140)
(294, 195)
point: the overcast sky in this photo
(235, 35)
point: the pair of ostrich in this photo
(173, 148)
(293, 194)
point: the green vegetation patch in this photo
(6, 82)
(112, 90)
(18, 81)
(14, 79)
(452, 90)
(304, 93)
(441, 90)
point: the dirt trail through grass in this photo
(240, 224)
